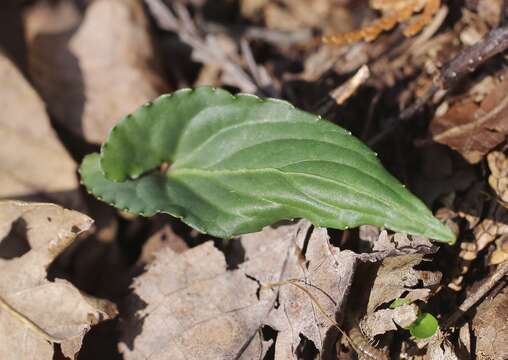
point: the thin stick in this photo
(471, 300)
(495, 42)
(206, 48)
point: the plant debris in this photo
(35, 312)
(422, 82)
(29, 171)
(239, 302)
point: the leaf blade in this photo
(240, 163)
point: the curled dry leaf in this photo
(440, 348)
(190, 305)
(92, 70)
(30, 153)
(395, 277)
(492, 228)
(385, 320)
(384, 244)
(490, 327)
(500, 255)
(36, 312)
(498, 179)
(473, 128)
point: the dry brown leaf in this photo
(491, 329)
(500, 255)
(36, 312)
(94, 70)
(395, 277)
(191, 306)
(33, 163)
(385, 320)
(492, 228)
(498, 179)
(164, 237)
(384, 245)
(438, 347)
(474, 129)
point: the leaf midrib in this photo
(220, 132)
(375, 178)
(203, 173)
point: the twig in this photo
(299, 38)
(280, 38)
(263, 80)
(429, 31)
(495, 42)
(342, 93)
(206, 49)
(471, 300)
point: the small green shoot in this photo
(399, 302)
(424, 327)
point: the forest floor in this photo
(423, 83)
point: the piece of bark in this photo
(35, 312)
(95, 69)
(33, 163)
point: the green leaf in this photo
(239, 163)
(424, 327)
(399, 302)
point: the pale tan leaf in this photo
(385, 320)
(190, 306)
(498, 179)
(92, 70)
(490, 327)
(163, 237)
(36, 312)
(438, 347)
(33, 163)
(397, 278)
